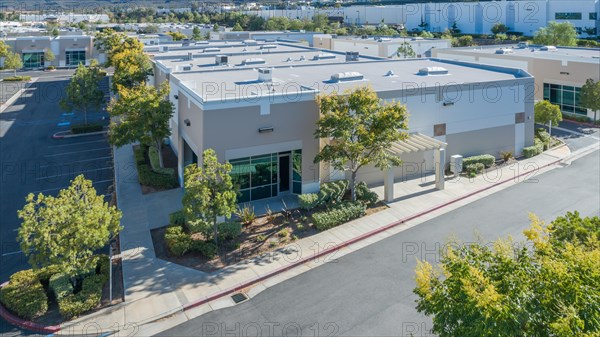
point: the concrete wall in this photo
(58, 46)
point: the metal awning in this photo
(416, 142)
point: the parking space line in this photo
(60, 188)
(12, 253)
(74, 173)
(80, 143)
(73, 152)
(77, 161)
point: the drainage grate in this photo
(239, 297)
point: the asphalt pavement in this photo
(369, 292)
(31, 161)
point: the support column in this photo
(388, 185)
(440, 163)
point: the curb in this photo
(359, 238)
(16, 96)
(591, 125)
(67, 134)
(28, 325)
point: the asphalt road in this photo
(31, 161)
(369, 292)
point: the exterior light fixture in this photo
(265, 129)
(176, 96)
(448, 103)
(187, 122)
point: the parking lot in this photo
(32, 161)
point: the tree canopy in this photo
(546, 112)
(361, 129)
(83, 92)
(405, 51)
(590, 96)
(13, 61)
(499, 28)
(556, 34)
(132, 68)
(4, 49)
(143, 114)
(547, 286)
(66, 230)
(209, 193)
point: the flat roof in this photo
(383, 39)
(219, 85)
(534, 52)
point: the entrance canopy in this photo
(416, 142)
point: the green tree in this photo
(177, 36)
(464, 41)
(4, 49)
(500, 37)
(361, 129)
(66, 230)
(237, 28)
(196, 33)
(54, 32)
(209, 193)
(132, 68)
(499, 28)
(405, 51)
(546, 112)
(49, 56)
(107, 40)
(556, 34)
(426, 35)
(215, 27)
(83, 92)
(590, 96)
(509, 289)
(13, 61)
(143, 114)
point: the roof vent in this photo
(433, 71)
(323, 57)
(211, 49)
(250, 42)
(504, 51)
(268, 46)
(289, 59)
(390, 73)
(352, 56)
(187, 67)
(347, 76)
(548, 48)
(189, 57)
(265, 74)
(302, 58)
(221, 59)
(253, 61)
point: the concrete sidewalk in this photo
(159, 294)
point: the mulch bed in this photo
(259, 237)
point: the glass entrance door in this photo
(284, 173)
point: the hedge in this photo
(365, 195)
(530, 151)
(17, 79)
(208, 249)
(24, 295)
(308, 201)
(486, 159)
(155, 162)
(338, 215)
(539, 145)
(85, 300)
(60, 286)
(150, 178)
(473, 169)
(332, 191)
(178, 242)
(86, 128)
(229, 230)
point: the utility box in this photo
(456, 164)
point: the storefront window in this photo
(567, 97)
(74, 57)
(33, 60)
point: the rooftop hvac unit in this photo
(163, 49)
(548, 48)
(265, 75)
(323, 57)
(503, 51)
(352, 56)
(189, 57)
(268, 46)
(211, 50)
(185, 68)
(221, 59)
(433, 71)
(253, 61)
(347, 76)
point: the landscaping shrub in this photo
(543, 136)
(45, 273)
(530, 151)
(17, 79)
(338, 215)
(86, 128)
(177, 218)
(24, 295)
(60, 286)
(474, 169)
(50, 68)
(365, 195)
(246, 214)
(85, 300)
(539, 145)
(308, 201)
(486, 159)
(506, 155)
(148, 177)
(155, 162)
(208, 249)
(178, 242)
(104, 266)
(229, 230)
(332, 191)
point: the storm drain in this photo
(239, 297)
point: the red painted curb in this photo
(582, 123)
(21, 323)
(361, 237)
